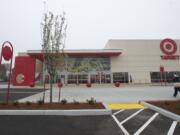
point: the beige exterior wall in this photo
(23, 54)
(140, 57)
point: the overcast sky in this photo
(91, 23)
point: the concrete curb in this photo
(162, 111)
(90, 112)
(105, 105)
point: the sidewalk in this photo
(122, 85)
(109, 94)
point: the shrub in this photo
(28, 103)
(64, 101)
(166, 103)
(15, 103)
(91, 101)
(40, 102)
(75, 102)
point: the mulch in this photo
(50, 106)
(172, 106)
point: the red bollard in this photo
(88, 84)
(32, 84)
(117, 84)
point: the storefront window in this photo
(72, 78)
(121, 77)
(99, 64)
(87, 64)
(77, 79)
(83, 78)
(77, 65)
(165, 76)
(78, 68)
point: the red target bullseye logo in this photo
(168, 46)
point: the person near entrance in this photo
(176, 81)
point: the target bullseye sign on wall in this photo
(169, 48)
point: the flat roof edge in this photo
(83, 51)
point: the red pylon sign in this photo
(7, 55)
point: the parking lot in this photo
(17, 93)
(131, 121)
(58, 125)
(145, 122)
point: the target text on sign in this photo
(169, 48)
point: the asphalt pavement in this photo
(146, 122)
(58, 125)
(136, 121)
(18, 93)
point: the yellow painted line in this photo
(124, 106)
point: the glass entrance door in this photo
(100, 78)
(95, 78)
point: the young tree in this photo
(53, 41)
(3, 70)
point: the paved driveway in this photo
(18, 93)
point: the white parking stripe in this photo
(146, 124)
(134, 114)
(172, 128)
(118, 112)
(121, 127)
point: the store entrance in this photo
(106, 78)
(100, 77)
(95, 78)
(77, 78)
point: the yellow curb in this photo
(124, 106)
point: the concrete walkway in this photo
(109, 94)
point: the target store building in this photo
(126, 61)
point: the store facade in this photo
(126, 61)
(144, 59)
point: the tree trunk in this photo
(51, 86)
(59, 98)
(44, 90)
(44, 80)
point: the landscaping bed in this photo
(49, 106)
(172, 106)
